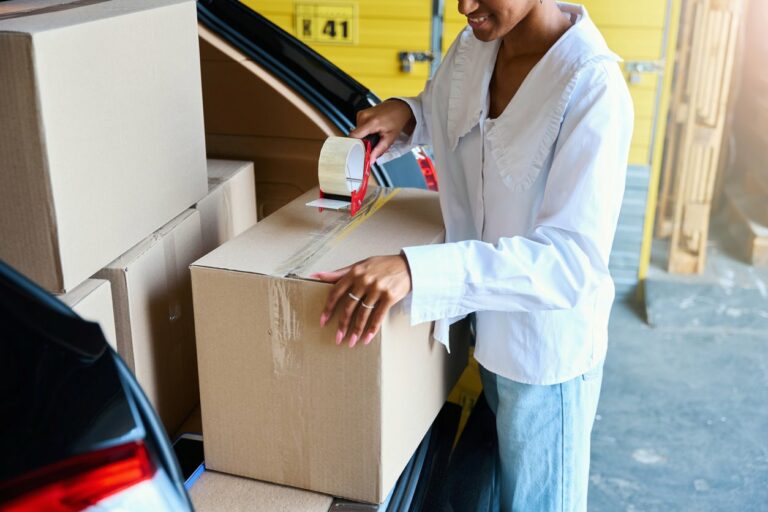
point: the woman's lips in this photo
(477, 21)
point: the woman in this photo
(530, 121)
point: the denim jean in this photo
(543, 440)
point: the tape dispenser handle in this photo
(372, 140)
(356, 201)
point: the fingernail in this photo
(323, 319)
(368, 338)
(352, 340)
(339, 336)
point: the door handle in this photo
(635, 68)
(408, 58)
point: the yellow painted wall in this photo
(385, 28)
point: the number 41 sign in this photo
(326, 22)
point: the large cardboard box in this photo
(153, 314)
(216, 492)
(230, 206)
(92, 300)
(101, 130)
(281, 402)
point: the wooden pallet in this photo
(701, 97)
(677, 117)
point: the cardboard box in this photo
(214, 492)
(281, 402)
(101, 130)
(92, 300)
(230, 206)
(153, 315)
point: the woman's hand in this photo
(387, 119)
(363, 294)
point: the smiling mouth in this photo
(476, 21)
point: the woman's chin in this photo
(483, 35)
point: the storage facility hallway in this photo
(683, 413)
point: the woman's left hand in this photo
(362, 295)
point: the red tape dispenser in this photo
(343, 171)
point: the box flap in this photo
(313, 241)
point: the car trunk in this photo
(251, 115)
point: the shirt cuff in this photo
(437, 278)
(404, 143)
(419, 135)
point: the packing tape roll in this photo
(341, 165)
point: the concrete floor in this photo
(683, 418)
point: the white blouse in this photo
(530, 202)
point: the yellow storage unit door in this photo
(361, 37)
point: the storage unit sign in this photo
(326, 22)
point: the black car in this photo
(76, 430)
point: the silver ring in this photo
(353, 297)
(366, 306)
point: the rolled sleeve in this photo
(421, 134)
(418, 105)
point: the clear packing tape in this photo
(343, 170)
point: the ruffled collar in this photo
(551, 80)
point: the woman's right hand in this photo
(388, 119)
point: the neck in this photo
(537, 32)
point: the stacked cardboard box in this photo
(215, 491)
(153, 315)
(102, 157)
(281, 402)
(230, 206)
(153, 295)
(101, 131)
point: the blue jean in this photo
(544, 440)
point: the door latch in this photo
(634, 68)
(408, 58)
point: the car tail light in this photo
(427, 168)
(79, 482)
